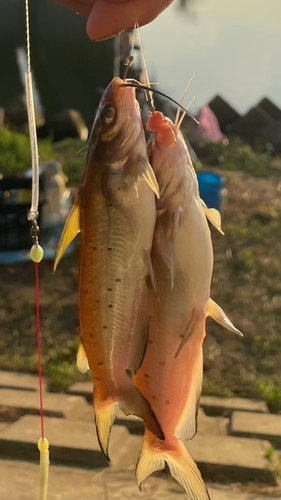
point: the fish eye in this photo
(107, 114)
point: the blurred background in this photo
(234, 49)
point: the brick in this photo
(55, 405)
(257, 425)
(215, 406)
(231, 459)
(20, 381)
(72, 443)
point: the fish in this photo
(115, 213)
(171, 374)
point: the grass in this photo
(15, 154)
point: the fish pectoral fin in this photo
(70, 230)
(189, 334)
(149, 267)
(141, 329)
(172, 257)
(143, 170)
(220, 317)
(213, 216)
(82, 360)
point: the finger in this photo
(110, 17)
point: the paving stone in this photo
(20, 381)
(216, 426)
(231, 459)
(67, 483)
(55, 405)
(215, 406)
(84, 389)
(72, 443)
(262, 426)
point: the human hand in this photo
(107, 18)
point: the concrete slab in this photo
(216, 426)
(257, 425)
(230, 459)
(67, 483)
(214, 406)
(84, 389)
(19, 381)
(55, 405)
(72, 443)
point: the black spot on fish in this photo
(97, 301)
(118, 280)
(162, 363)
(109, 289)
(167, 402)
(104, 327)
(110, 204)
(182, 336)
(109, 248)
(91, 335)
(150, 341)
(146, 375)
(97, 378)
(101, 363)
(110, 305)
(95, 248)
(154, 397)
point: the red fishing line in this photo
(39, 349)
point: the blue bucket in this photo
(210, 188)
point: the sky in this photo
(234, 47)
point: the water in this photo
(234, 47)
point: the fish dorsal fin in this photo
(143, 170)
(213, 216)
(82, 360)
(70, 230)
(220, 317)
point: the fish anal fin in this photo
(82, 360)
(217, 313)
(132, 402)
(155, 454)
(71, 229)
(214, 217)
(105, 415)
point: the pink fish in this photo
(182, 258)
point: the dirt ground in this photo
(246, 284)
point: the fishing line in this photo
(138, 85)
(150, 94)
(36, 254)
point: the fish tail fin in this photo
(182, 467)
(105, 415)
(132, 402)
